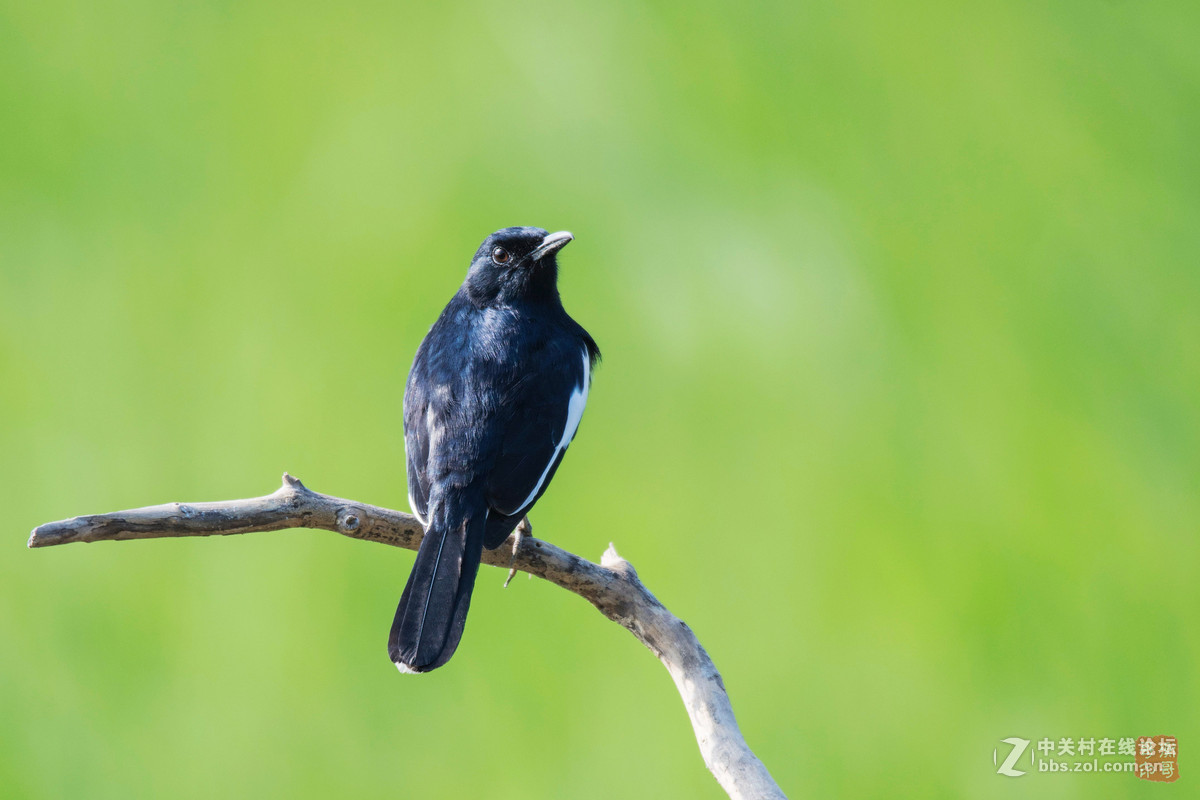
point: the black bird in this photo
(494, 398)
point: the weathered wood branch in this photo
(612, 586)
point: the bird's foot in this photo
(523, 530)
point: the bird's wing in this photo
(416, 448)
(545, 415)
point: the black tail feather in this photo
(433, 609)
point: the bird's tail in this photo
(433, 609)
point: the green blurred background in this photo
(900, 307)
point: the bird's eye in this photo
(501, 256)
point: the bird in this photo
(492, 402)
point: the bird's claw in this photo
(523, 529)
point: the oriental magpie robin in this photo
(494, 398)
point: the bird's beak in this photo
(551, 244)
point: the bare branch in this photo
(612, 586)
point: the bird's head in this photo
(516, 264)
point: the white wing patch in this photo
(413, 507)
(575, 406)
